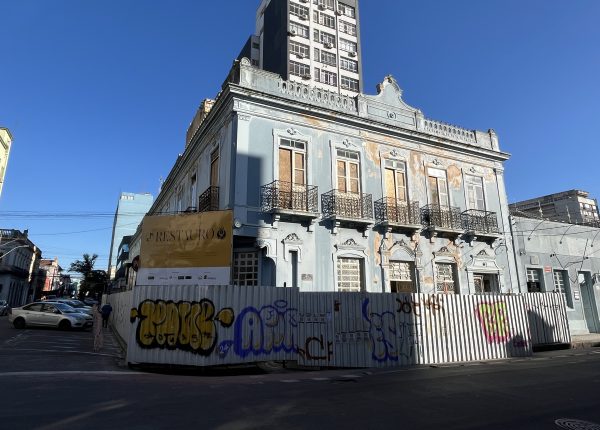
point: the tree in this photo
(94, 281)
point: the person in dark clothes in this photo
(106, 310)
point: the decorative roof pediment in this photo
(388, 106)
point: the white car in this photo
(75, 304)
(48, 314)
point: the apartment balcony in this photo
(480, 223)
(209, 200)
(397, 214)
(442, 220)
(290, 201)
(348, 209)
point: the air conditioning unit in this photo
(301, 56)
(303, 17)
(328, 45)
(321, 6)
(306, 77)
(292, 32)
(352, 54)
(303, 1)
(339, 12)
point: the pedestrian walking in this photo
(98, 336)
(106, 310)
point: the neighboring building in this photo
(19, 262)
(130, 211)
(337, 193)
(49, 279)
(316, 42)
(123, 265)
(5, 144)
(561, 258)
(573, 206)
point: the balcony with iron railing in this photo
(480, 223)
(287, 198)
(348, 209)
(398, 214)
(209, 200)
(442, 219)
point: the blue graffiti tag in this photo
(267, 330)
(382, 334)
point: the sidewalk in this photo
(585, 341)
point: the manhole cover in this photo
(571, 424)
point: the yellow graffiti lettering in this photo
(189, 326)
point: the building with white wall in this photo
(131, 208)
(5, 145)
(316, 42)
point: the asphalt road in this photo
(52, 380)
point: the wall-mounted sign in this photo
(186, 249)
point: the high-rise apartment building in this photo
(5, 143)
(130, 211)
(574, 207)
(311, 41)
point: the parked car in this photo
(50, 314)
(90, 302)
(75, 304)
(3, 307)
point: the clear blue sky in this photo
(99, 94)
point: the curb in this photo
(120, 341)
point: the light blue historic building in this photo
(340, 193)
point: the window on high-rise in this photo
(324, 37)
(299, 69)
(346, 27)
(346, 10)
(299, 49)
(328, 58)
(348, 46)
(349, 65)
(326, 77)
(299, 30)
(324, 19)
(327, 4)
(350, 84)
(299, 11)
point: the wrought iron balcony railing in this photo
(391, 210)
(444, 217)
(347, 205)
(287, 196)
(480, 221)
(209, 200)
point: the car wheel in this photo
(64, 325)
(19, 323)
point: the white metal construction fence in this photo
(207, 326)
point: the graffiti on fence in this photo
(266, 330)
(493, 318)
(189, 326)
(408, 305)
(411, 345)
(382, 332)
(316, 349)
